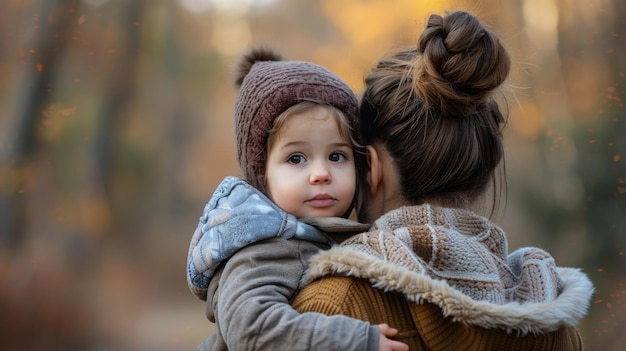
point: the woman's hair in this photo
(433, 109)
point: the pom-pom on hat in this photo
(267, 87)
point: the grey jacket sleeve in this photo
(238, 215)
(251, 304)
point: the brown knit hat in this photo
(267, 87)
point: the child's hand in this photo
(388, 344)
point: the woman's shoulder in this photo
(332, 295)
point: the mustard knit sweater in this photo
(444, 279)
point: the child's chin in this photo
(322, 213)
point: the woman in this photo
(430, 267)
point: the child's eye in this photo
(337, 157)
(296, 159)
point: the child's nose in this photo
(319, 174)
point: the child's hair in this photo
(433, 108)
(343, 123)
(268, 86)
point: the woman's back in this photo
(444, 279)
(421, 326)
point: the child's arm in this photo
(251, 304)
(248, 234)
(237, 215)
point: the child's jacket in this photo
(246, 259)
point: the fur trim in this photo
(567, 309)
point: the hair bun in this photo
(462, 62)
(247, 60)
(433, 34)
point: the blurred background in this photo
(115, 128)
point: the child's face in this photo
(310, 168)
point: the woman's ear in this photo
(374, 175)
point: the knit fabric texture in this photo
(467, 251)
(421, 326)
(269, 89)
(458, 260)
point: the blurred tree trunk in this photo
(593, 57)
(24, 105)
(594, 65)
(119, 92)
(176, 120)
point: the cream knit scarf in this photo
(459, 260)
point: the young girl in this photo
(296, 130)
